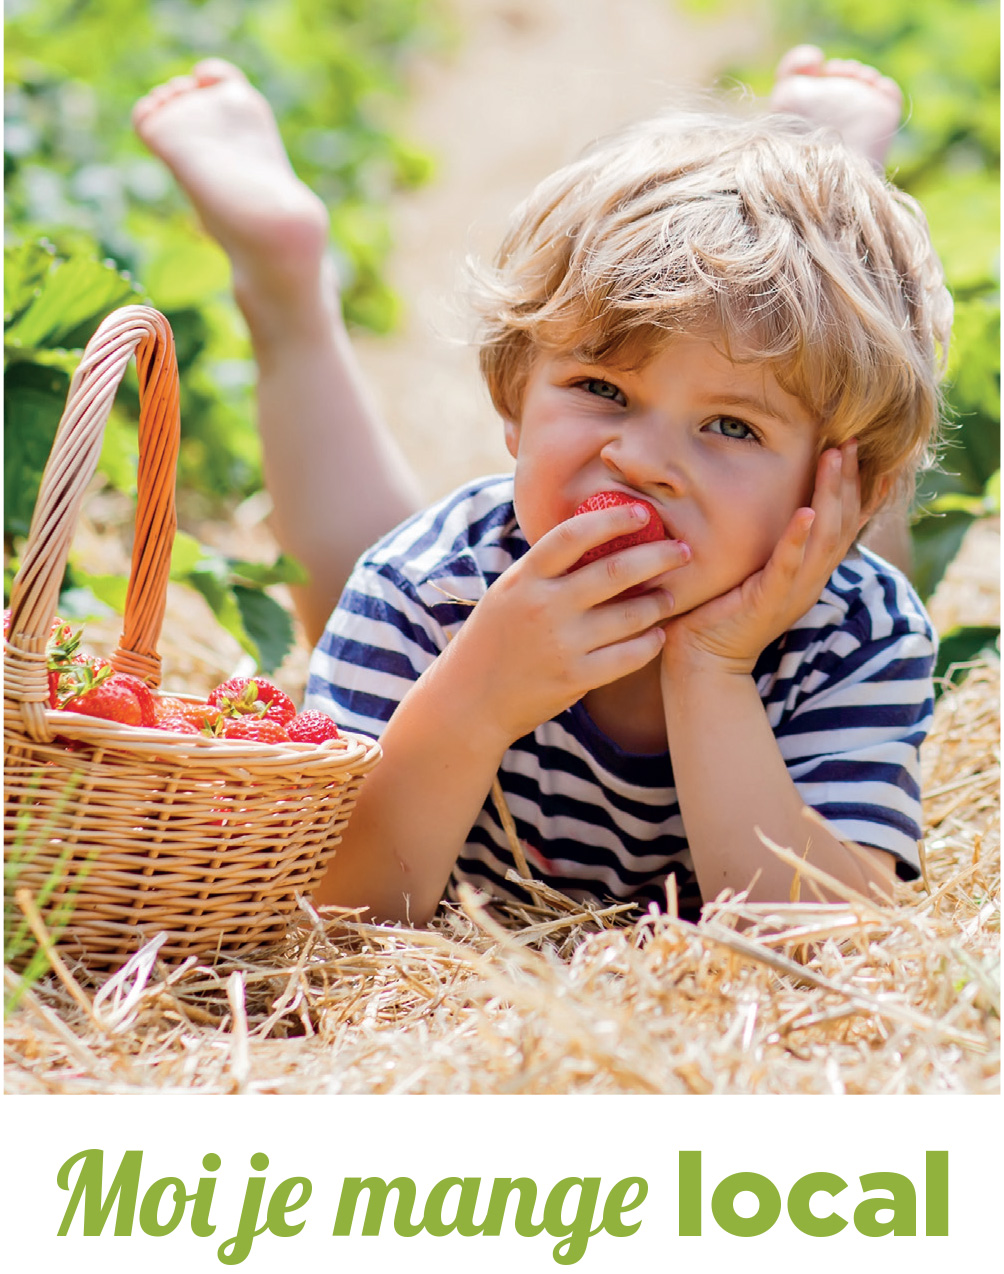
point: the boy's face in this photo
(723, 452)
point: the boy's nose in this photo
(637, 459)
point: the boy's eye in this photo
(729, 427)
(602, 389)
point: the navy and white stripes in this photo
(847, 691)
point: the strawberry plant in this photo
(89, 213)
(241, 696)
(52, 304)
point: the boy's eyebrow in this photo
(749, 400)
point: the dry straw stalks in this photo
(870, 995)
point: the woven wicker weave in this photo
(207, 840)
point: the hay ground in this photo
(868, 996)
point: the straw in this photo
(557, 996)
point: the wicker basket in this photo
(205, 840)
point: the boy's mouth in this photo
(626, 495)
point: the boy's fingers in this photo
(837, 504)
(609, 663)
(789, 555)
(778, 583)
(600, 581)
(852, 490)
(562, 546)
(625, 617)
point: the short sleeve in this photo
(851, 742)
(405, 599)
(380, 639)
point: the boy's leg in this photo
(865, 108)
(335, 474)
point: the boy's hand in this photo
(729, 632)
(545, 634)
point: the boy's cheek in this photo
(538, 512)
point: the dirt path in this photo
(530, 83)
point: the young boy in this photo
(740, 324)
(336, 477)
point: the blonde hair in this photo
(784, 244)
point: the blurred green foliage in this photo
(89, 212)
(945, 54)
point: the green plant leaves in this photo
(25, 267)
(51, 307)
(34, 395)
(60, 307)
(50, 301)
(963, 646)
(234, 590)
(267, 627)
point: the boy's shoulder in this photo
(472, 532)
(866, 600)
(869, 625)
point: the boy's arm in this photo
(731, 778)
(337, 478)
(440, 754)
(728, 768)
(535, 643)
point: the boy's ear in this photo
(511, 433)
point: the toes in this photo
(203, 75)
(159, 96)
(178, 86)
(803, 59)
(214, 70)
(849, 69)
(890, 88)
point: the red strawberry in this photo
(60, 650)
(255, 730)
(117, 696)
(76, 675)
(205, 717)
(177, 724)
(652, 530)
(312, 727)
(166, 706)
(241, 695)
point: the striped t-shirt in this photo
(847, 691)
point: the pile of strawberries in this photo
(246, 708)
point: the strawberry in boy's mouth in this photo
(652, 530)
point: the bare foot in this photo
(218, 136)
(861, 104)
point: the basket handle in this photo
(72, 462)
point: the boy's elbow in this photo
(879, 868)
(375, 905)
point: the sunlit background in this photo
(421, 122)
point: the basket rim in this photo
(349, 749)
